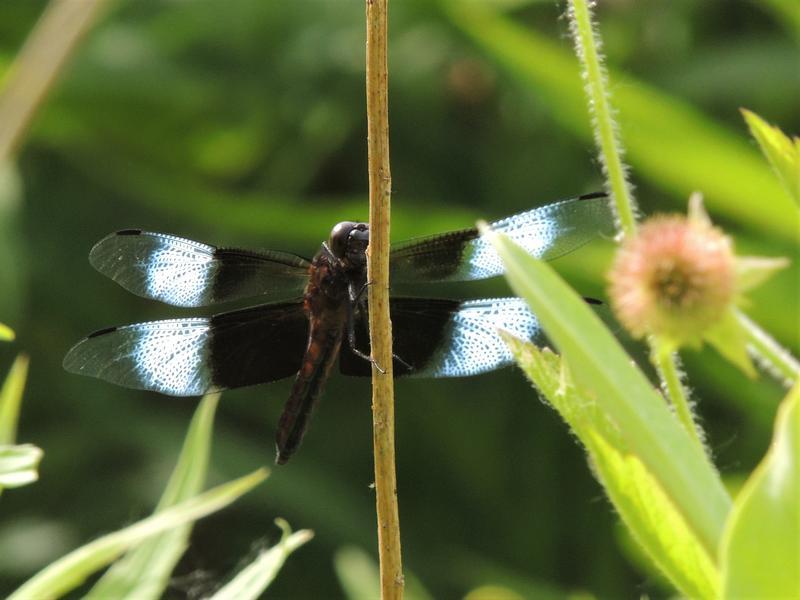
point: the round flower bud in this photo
(675, 279)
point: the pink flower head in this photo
(675, 279)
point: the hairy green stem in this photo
(770, 352)
(605, 129)
(666, 362)
(605, 132)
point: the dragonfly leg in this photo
(366, 357)
(351, 332)
(357, 297)
(402, 362)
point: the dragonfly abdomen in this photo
(324, 341)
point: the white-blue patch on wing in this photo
(159, 266)
(472, 344)
(536, 231)
(170, 356)
(180, 272)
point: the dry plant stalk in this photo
(42, 58)
(380, 326)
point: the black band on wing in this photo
(447, 338)
(546, 232)
(418, 329)
(258, 344)
(189, 357)
(436, 258)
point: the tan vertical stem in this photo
(46, 51)
(380, 326)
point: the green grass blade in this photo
(144, 572)
(667, 140)
(189, 475)
(251, 581)
(783, 154)
(761, 549)
(11, 399)
(19, 464)
(71, 570)
(641, 502)
(623, 394)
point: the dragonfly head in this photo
(348, 243)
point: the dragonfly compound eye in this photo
(340, 238)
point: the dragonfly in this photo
(318, 309)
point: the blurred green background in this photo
(241, 122)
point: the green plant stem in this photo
(666, 362)
(760, 343)
(605, 129)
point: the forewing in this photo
(182, 272)
(448, 338)
(189, 357)
(546, 232)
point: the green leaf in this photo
(145, 571)
(622, 393)
(730, 340)
(752, 271)
(18, 465)
(772, 357)
(477, 570)
(6, 333)
(492, 592)
(11, 399)
(783, 154)
(666, 140)
(251, 581)
(786, 14)
(653, 520)
(70, 571)
(760, 552)
(358, 574)
(645, 508)
(360, 578)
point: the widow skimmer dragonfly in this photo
(433, 337)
